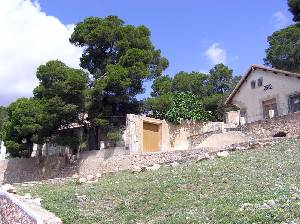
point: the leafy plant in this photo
(186, 106)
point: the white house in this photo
(265, 92)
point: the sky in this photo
(194, 35)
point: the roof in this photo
(253, 68)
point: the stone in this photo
(174, 164)
(27, 196)
(75, 176)
(136, 169)
(37, 201)
(82, 180)
(222, 154)
(98, 175)
(207, 156)
(9, 188)
(90, 177)
(153, 167)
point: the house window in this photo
(260, 82)
(294, 103)
(253, 83)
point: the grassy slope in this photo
(213, 191)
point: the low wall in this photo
(25, 170)
(289, 124)
(185, 136)
(188, 135)
(14, 211)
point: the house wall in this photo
(251, 99)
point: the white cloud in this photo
(215, 54)
(28, 39)
(279, 19)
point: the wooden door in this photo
(151, 138)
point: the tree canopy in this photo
(220, 79)
(284, 49)
(294, 8)
(186, 106)
(61, 90)
(22, 126)
(58, 101)
(3, 117)
(120, 58)
(209, 89)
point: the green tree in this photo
(193, 82)
(3, 117)
(284, 49)
(215, 104)
(22, 126)
(120, 58)
(294, 8)
(186, 106)
(220, 79)
(158, 106)
(161, 85)
(61, 90)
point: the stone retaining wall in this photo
(22, 170)
(289, 124)
(14, 211)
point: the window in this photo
(294, 103)
(260, 82)
(253, 84)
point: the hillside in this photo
(259, 186)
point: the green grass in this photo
(259, 186)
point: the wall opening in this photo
(151, 137)
(270, 109)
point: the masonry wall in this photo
(14, 211)
(184, 136)
(25, 170)
(289, 124)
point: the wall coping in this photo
(22, 206)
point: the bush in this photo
(186, 106)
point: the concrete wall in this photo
(251, 99)
(173, 137)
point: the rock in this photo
(222, 154)
(27, 196)
(98, 175)
(9, 188)
(75, 176)
(82, 180)
(90, 177)
(153, 167)
(207, 156)
(37, 201)
(174, 164)
(136, 169)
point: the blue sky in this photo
(194, 35)
(184, 30)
